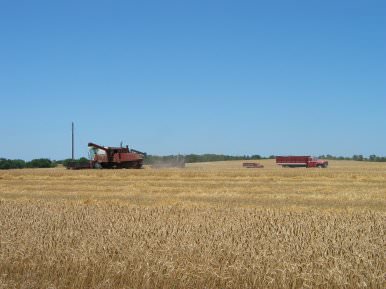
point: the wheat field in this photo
(210, 225)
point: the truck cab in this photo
(317, 163)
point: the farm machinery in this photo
(115, 157)
(300, 161)
(102, 157)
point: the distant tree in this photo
(6, 164)
(373, 158)
(18, 164)
(192, 158)
(357, 157)
(256, 157)
(40, 163)
(84, 160)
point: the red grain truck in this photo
(300, 161)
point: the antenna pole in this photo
(72, 130)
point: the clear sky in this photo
(165, 77)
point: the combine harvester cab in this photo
(115, 157)
(300, 161)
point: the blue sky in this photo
(165, 77)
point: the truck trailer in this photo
(300, 161)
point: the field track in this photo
(211, 225)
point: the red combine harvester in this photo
(115, 157)
(300, 161)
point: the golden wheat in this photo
(212, 225)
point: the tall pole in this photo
(72, 126)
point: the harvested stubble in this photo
(204, 227)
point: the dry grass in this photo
(212, 225)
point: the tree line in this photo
(152, 159)
(6, 164)
(371, 158)
(195, 158)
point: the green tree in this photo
(40, 163)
